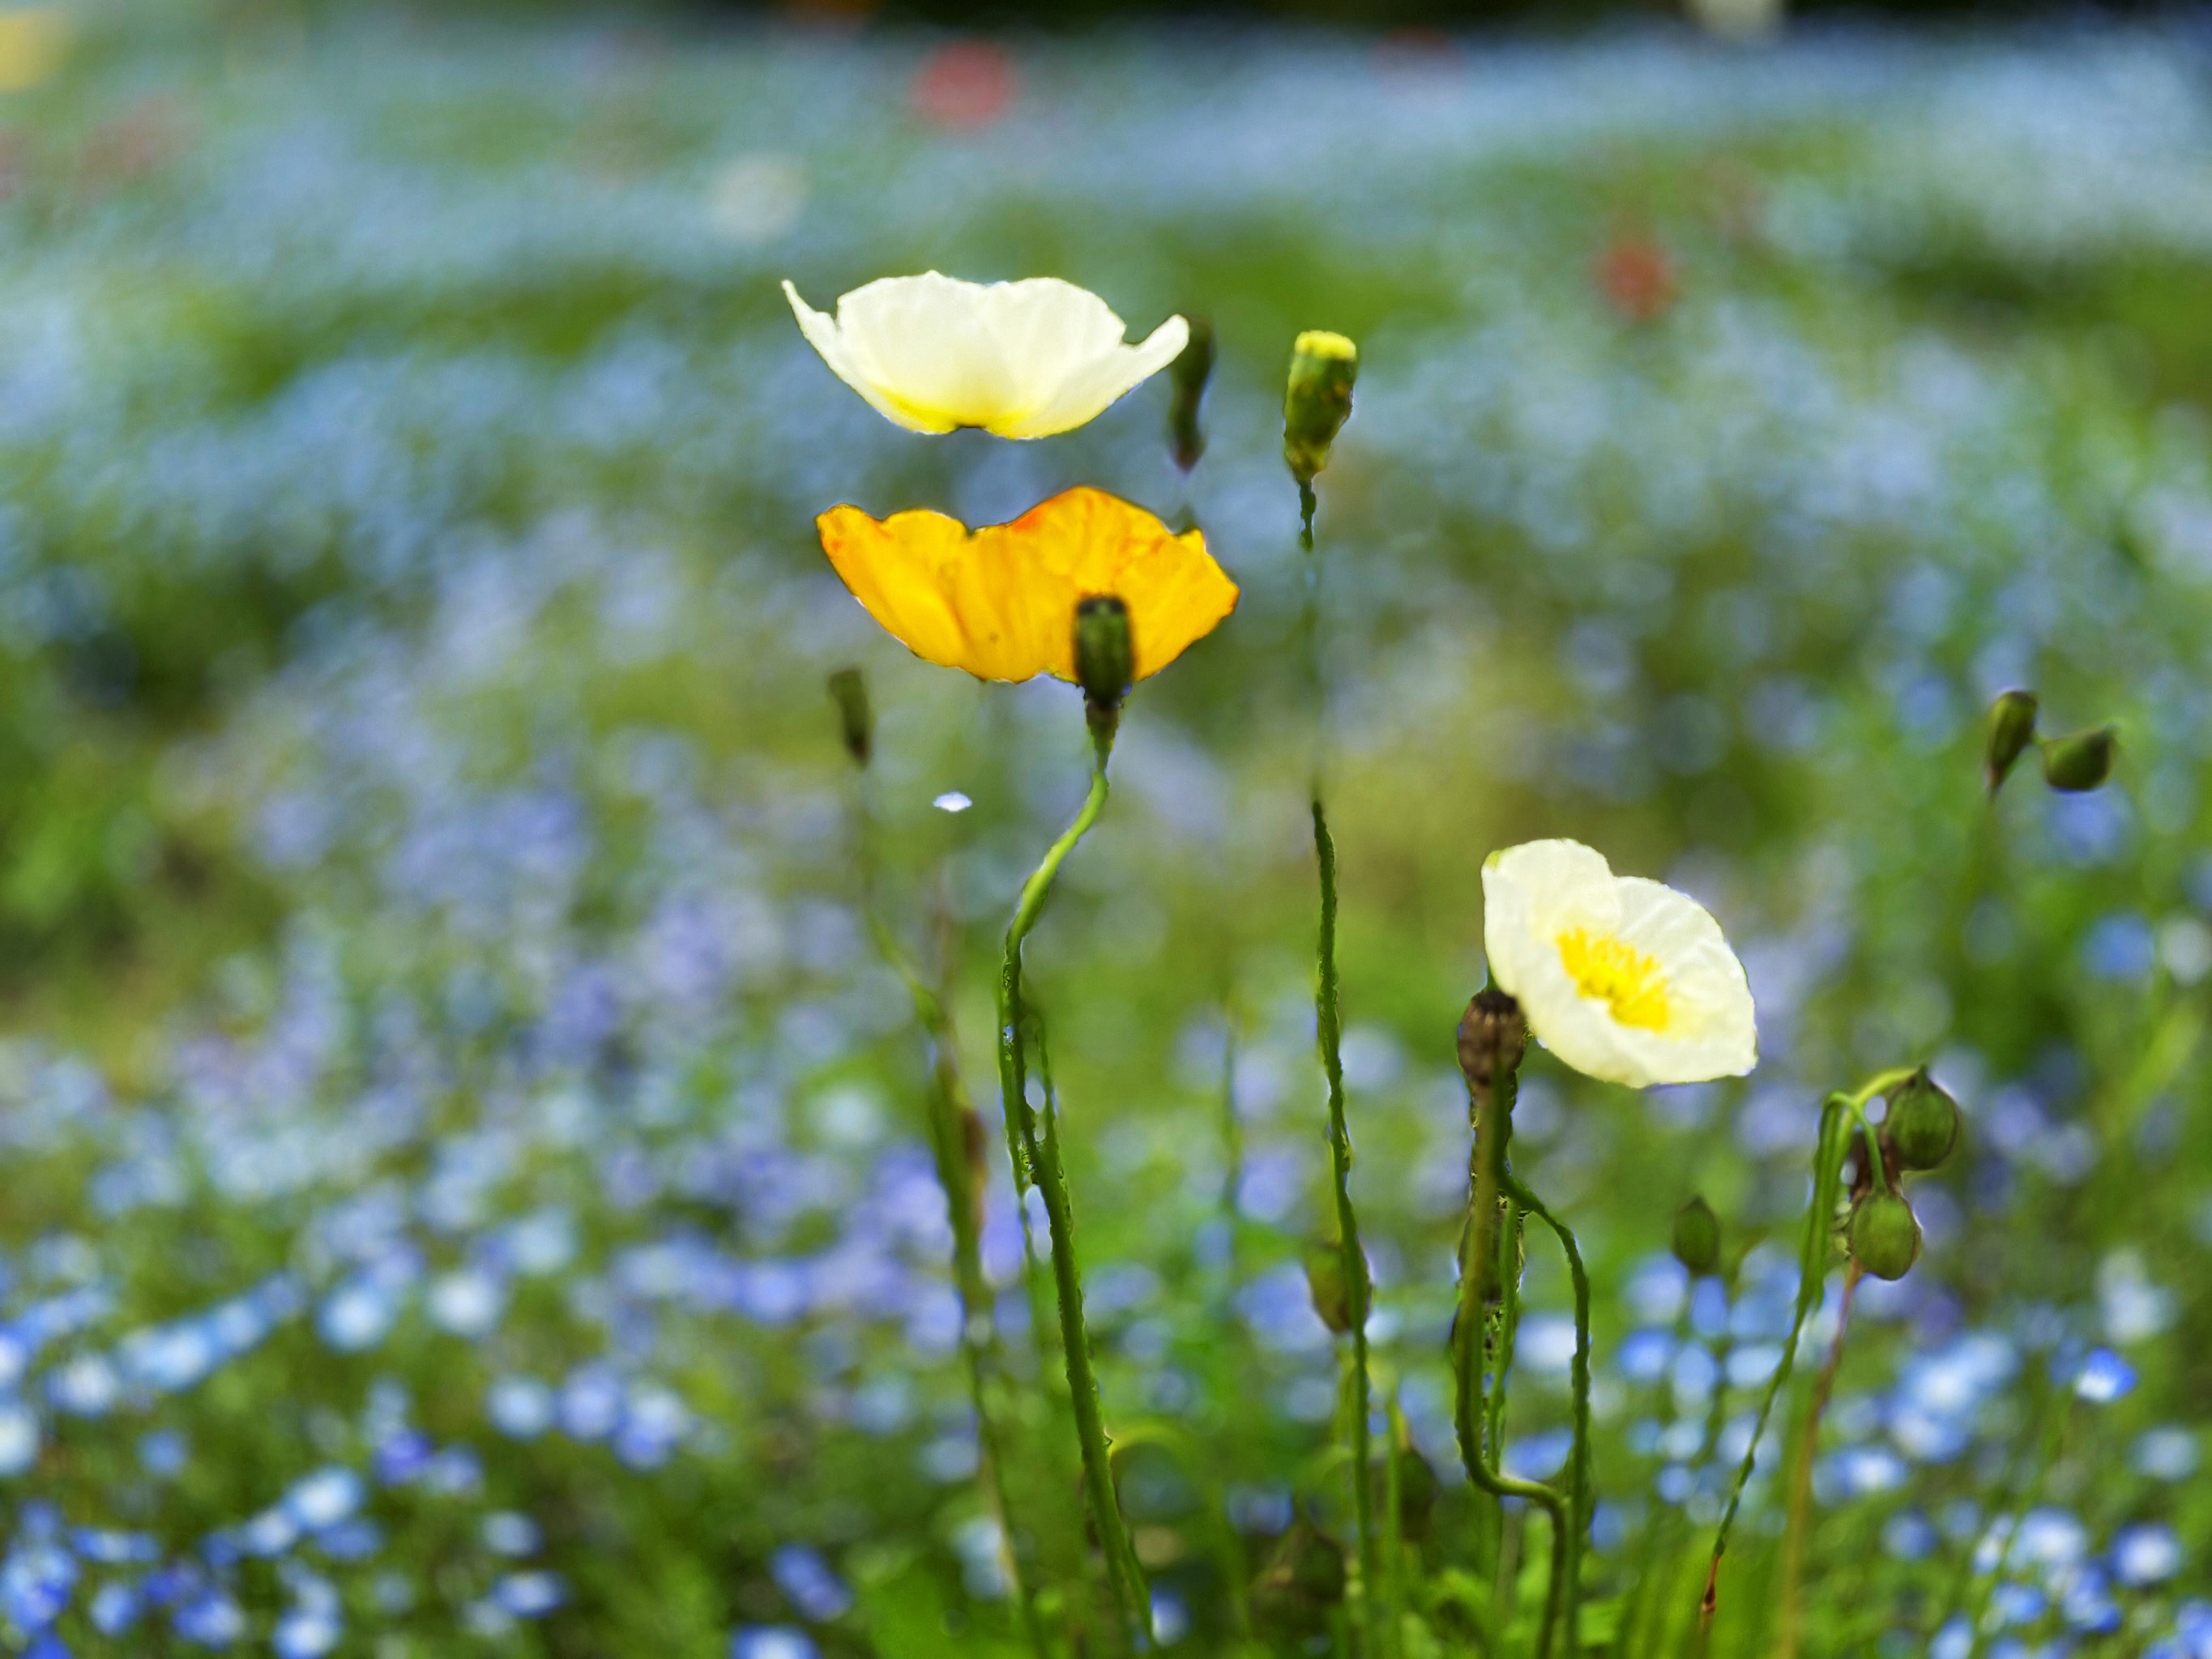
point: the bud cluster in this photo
(2072, 764)
(1919, 1133)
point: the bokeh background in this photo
(465, 1187)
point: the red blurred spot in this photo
(144, 139)
(1638, 278)
(1417, 51)
(968, 83)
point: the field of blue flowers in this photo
(467, 1186)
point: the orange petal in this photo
(1000, 602)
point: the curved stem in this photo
(1041, 1152)
(1579, 1487)
(1813, 1261)
(1329, 1022)
(1493, 1107)
(955, 1137)
(1800, 1475)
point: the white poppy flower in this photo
(1023, 359)
(1623, 979)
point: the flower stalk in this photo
(1838, 1112)
(955, 1133)
(1492, 1037)
(1036, 1146)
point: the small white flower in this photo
(1023, 360)
(1623, 979)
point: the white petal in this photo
(828, 340)
(1534, 893)
(1087, 390)
(927, 346)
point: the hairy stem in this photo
(1801, 1477)
(1040, 1150)
(1579, 1485)
(955, 1139)
(1493, 1103)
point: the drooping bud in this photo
(1187, 375)
(1317, 401)
(856, 721)
(1105, 657)
(1923, 1125)
(1492, 1037)
(1326, 1285)
(1884, 1235)
(1697, 1240)
(2011, 729)
(2082, 761)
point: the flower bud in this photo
(1884, 1235)
(1105, 655)
(2081, 762)
(1697, 1237)
(1417, 1493)
(856, 721)
(1492, 1037)
(1302, 1579)
(1187, 375)
(1326, 1285)
(2012, 728)
(1318, 400)
(1923, 1125)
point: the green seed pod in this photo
(1923, 1125)
(856, 721)
(2082, 761)
(1697, 1237)
(1187, 375)
(1317, 401)
(2012, 728)
(1885, 1235)
(1326, 1284)
(1105, 655)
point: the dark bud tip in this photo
(1326, 1282)
(1492, 1037)
(1317, 401)
(1885, 1235)
(856, 721)
(1923, 1125)
(1697, 1241)
(2011, 729)
(1105, 653)
(2082, 761)
(1187, 376)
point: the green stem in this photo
(1813, 1269)
(955, 1134)
(1508, 1324)
(1328, 1009)
(1579, 1485)
(1493, 1108)
(1040, 1151)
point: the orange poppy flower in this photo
(1000, 601)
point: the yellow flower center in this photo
(1614, 972)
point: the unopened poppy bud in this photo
(1417, 1493)
(1492, 1037)
(1884, 1235)
(2012, 728)
(1105, 655)
(1189, 375)
(1326, 1285)
(1923, 1125)
(856, 721)
(2081, 762)
(1697, 1237)
(1318, 400)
